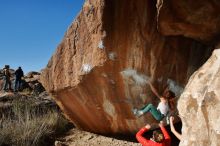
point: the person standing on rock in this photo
(18, 82)
(6, 76)
(158, 138)
(163, 107)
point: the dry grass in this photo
(28, 126)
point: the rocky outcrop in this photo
(199, 105)
(40, 104)
(198, 20)
(100, 70)
(30, 82)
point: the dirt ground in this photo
(77, 137)
(81, 138)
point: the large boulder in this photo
(199, 105)
(100, 70)
(194, 19)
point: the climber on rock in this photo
(158, 138)
(166, 103)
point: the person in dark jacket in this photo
(18, 82)
(7, 76)
(158, 138)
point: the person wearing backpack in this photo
(18, 82)
(6, 76)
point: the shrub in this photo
(26, 125)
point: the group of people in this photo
(7, 86)
(164, 110)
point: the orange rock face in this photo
(100, 70)
(198, 20)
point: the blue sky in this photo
(30, 30)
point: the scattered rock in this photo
(30, 82)
(32, 74)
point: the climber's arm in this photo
(173, 130)
(141, 139)
(153, 89)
